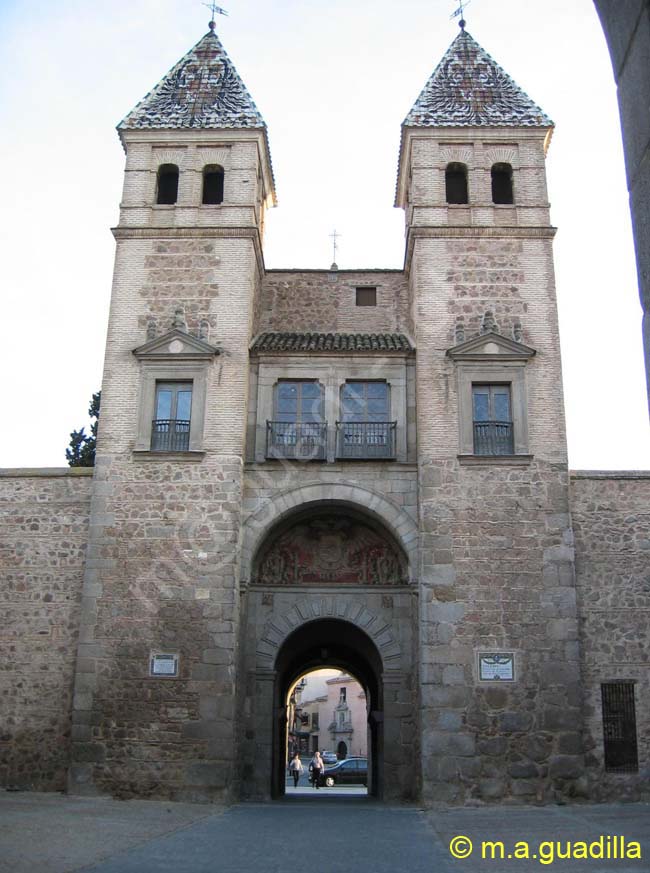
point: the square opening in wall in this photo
(366, 297)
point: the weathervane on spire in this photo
(461, 11)
(334, 236)
(215, 10)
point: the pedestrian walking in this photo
(316, 768)
(295, 768)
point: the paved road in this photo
(55, 834)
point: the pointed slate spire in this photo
(469, 89)
(203, 90)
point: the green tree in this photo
(81, 451)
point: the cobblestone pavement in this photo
(55, 834)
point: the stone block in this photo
(447, 770)
(448, 613)
(213, 775)
(525, 787)
(512, 722)
(537, 747)
(493, 746)
(557, 673)
(89, 753)
(445, 697)
(492, 789)
(497, 698)
(556, 718)
(217, 656)
(453, 675)
(566, 767)
(449, 720)
(570, 744)
(523, 770)
(561, 629)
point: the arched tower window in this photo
(456, 183)
(213, 184)
(502, 184)
(167, 187)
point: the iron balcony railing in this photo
(493, 438)
(303, 441)
(170, 435)
(366, 440)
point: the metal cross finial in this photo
(215, 10)
(334, 236)
(461, 11)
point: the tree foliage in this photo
(81, 451)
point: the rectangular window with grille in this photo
(619, 727)
(365, 430)
(493, 433)
(298, 430)
(170, 430)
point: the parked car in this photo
(352, 771)
(329, 757)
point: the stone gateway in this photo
(358, 469)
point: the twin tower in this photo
(362, 469)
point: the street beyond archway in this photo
(41, 833)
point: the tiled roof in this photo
(332, 342)
(468, 88)
(203, 90)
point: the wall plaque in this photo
(496, 666)
(163, 665)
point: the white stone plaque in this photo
(163, 665)
(496, 666)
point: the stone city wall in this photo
(611, 521)
(161, 580)
(43, 536)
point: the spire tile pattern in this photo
(468, 89)
(203, 90)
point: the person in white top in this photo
(295, 768)
(316, 768)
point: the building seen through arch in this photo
(362, 470)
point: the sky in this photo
(334, 82)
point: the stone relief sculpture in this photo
(331, 549)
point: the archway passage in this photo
(329, 643)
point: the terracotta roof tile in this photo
(332, 342)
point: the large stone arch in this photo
(291, 631)
(256, 527)
(314, 607)
(318, 617)
(343, 645)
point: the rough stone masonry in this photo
(362, 469)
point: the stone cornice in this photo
(121, 232)
(472, 232)
(609, 474)
(45, 472)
